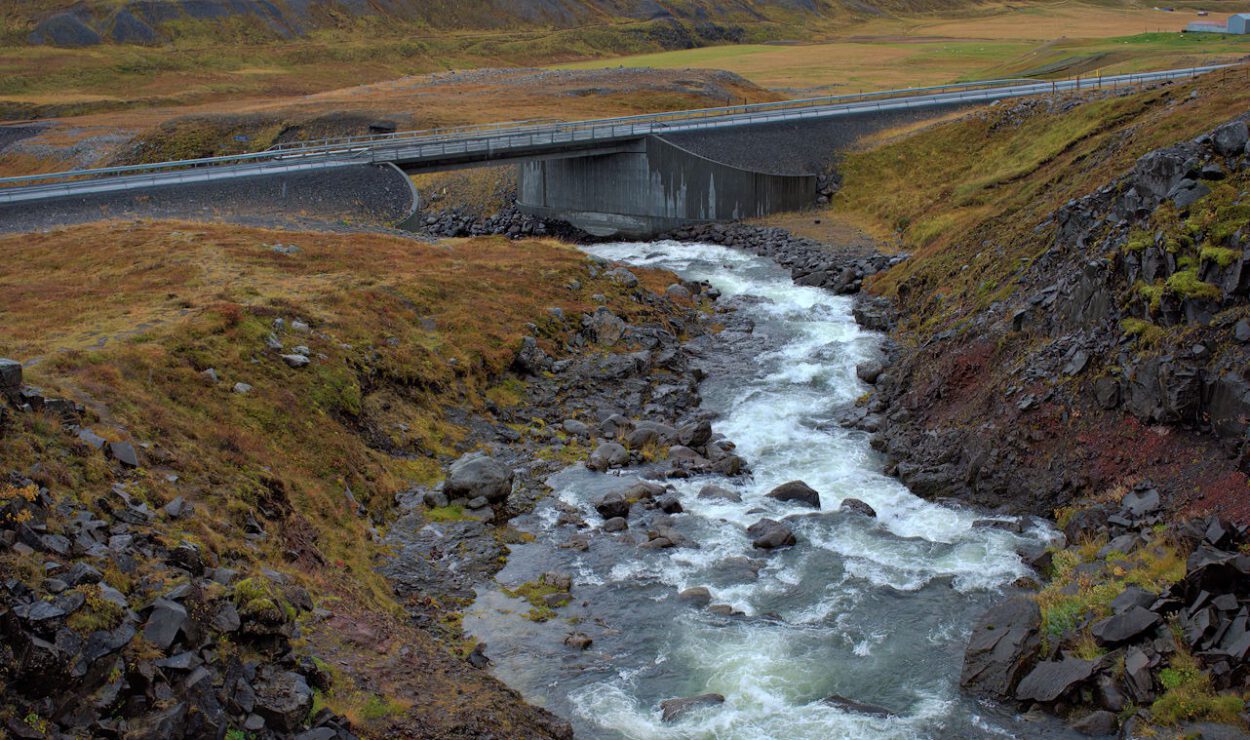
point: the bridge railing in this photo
(420, 146)
(511, 127)
(152, 179)
(501, 136)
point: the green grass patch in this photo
(96, 613)
(536, 593)
(1139, 240)
(1079, 594)
(1228, 220)
(1185, 284)
(1146, 332)
(507, 394)
(1221, 256)
(1189, 696)
(447, 514)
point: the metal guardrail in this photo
(512, 126)
(492, 139)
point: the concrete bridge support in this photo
(654, 186)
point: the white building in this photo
(1238, 24)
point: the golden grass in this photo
(400, 325)
(984, 181)
(977, 42)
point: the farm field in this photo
(1046, 40)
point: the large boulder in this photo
(1156, 173)
(717, 493)
(1003, 647)
(608, 455)
(623, 277)
(1097, 724)
(283, 699)
(613, 506)
(605, 327)
(869, 371)
(1124, 627)
(10, 375)
(1049, 681)
(531, 359)
(769, 534)
(696, 434)
(1229, 407)
(478, 475)
(1230, 139)
(164, 623)
(798, 491)
(855, 506)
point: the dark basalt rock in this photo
(1124, 626)
(164, 623)
(608, 455)
(1097, 724)
(124, 453)
(613, 506)
(769, 534)
(1004, 645)
(714, 492)
(477, 475)
(1051, 680)
(858, 707)
(673, 709)
(283, 699)
(10, 376)
(798, 492)
(855, 506)
(1230, 139)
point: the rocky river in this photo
(856, 630)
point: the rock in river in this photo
(769, 534)
(608, 455)
(613, 506)
(798, 491)
(1003, 646)
(673, 709)
(855, 506)
(857, 707)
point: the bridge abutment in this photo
(654, 186)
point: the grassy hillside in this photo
(404, 336)
(988, 181)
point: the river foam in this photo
(875, 610)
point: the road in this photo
(451, 148)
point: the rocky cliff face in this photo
(1122, 353)
(1110, 390)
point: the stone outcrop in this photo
(1131, 312)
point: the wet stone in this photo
(857, 707)
(672, 709)
(796, 491)
(1051, 680)
(616, 524)
(769, 534)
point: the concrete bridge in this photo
(633, 176)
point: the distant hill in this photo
(91, 22)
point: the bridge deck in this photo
(415, 151)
